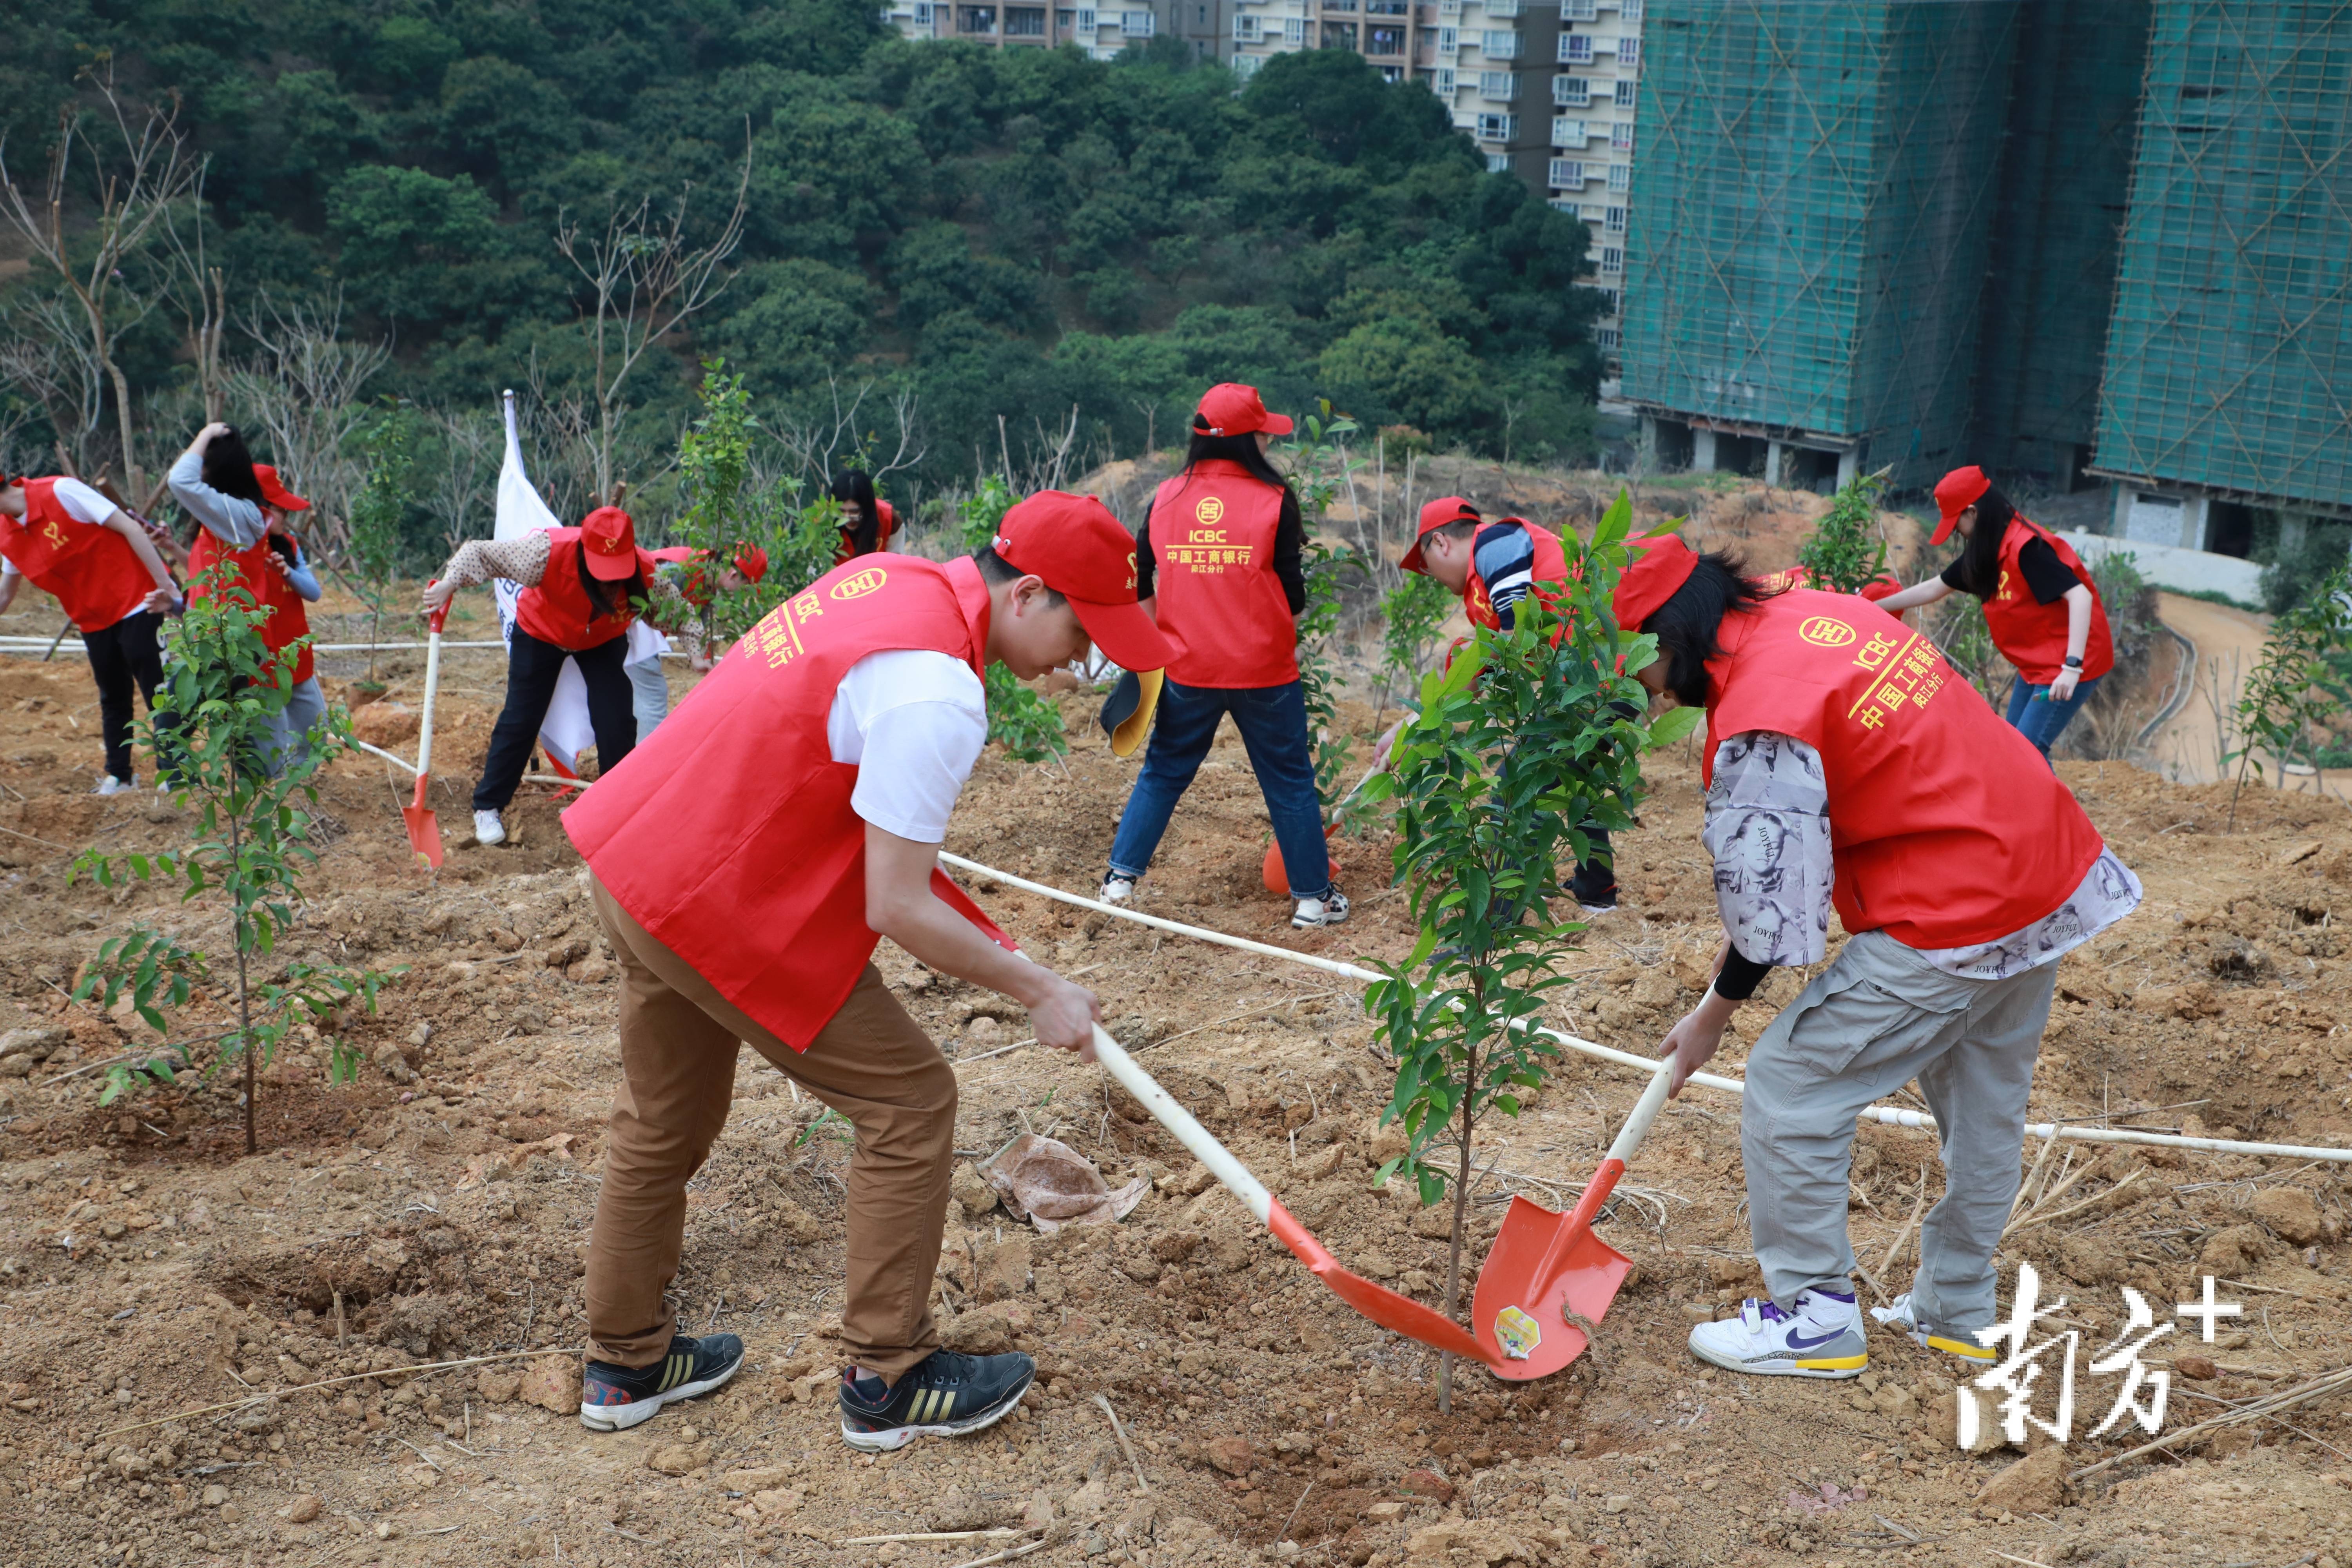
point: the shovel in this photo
(1383, 1307)
(424, 831)
(1277, 877)
(1544, 1272)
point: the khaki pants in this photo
(872, 1063)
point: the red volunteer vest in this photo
(558, 610)
(728, 833)
(1947, 825)
(1550, 566)
(2032, 635)
(251, 568)
(694, 584)
(91, 571)
(883, 528)
(1212, 559)
(290, 617)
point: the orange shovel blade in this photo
(1277, 877)
(424, 828)
(1515, 1310)
(1382, 1306)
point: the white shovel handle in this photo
(432, 684)
(1645, 1110)
(1179, 1121)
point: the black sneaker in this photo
(612, 1398)
(943, 1395)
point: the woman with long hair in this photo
(867, 520)
(233, 504)
(1218, 565)
(2039, 603)
(1895, 797)
(581, 589)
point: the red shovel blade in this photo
(1515, 1310)
(1278, 878)
(424, 828)
(1382, 1306)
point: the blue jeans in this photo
(1273, 722)
(2041, 720)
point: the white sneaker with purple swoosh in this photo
(1822, 1338)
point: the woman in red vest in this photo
(1493, 566)
(580, 589)
(1218, 563)
(2039, 603)
(744, 866)
(74, 543)
(867, 520)
(1847, 768)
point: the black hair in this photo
(228, 468)
(1687, 624)
(1466, 529)
(1981, 551)
(995, 569)
(284, 546)
(609, 598)
(1241, 449)
(854, 487)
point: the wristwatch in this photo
(2074, 661)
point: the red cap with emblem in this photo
(1079, 548)
(1437, 514)
(610, 539)
(1229, 409)
(275, 492)
(1658, 568)
(1955, 493)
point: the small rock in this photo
(1428, 1484)
(793, 1220)
(1230, 1455)
(214, 1495)
(552, 1383)
(1001, 1269)
(2291, 1213)
(303, 1509)
(679, 1459)
(985, 1331)
(37, 1042)
(1375, 1266)
(971, 1190)
(496, 1387)
(758, 1478)
(2199, 1367)
(2228, 1251)
(2035, 1484)
(1387, 1512)
(776, 1500)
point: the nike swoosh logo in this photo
(1798, 1341)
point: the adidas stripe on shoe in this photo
(943, 1395)
(613, 1398)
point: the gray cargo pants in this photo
(1873, 1020)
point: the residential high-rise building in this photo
(1100, 32)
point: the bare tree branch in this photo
(133, 187)
(46, 354)
(305, 388)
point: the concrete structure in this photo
(1101, 32)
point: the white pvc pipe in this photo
(1892, 1116)
(387, 757)
(1176, 1120)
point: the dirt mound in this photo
(439, 1210)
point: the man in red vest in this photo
(1495, 566)
(1848, 768)
(745, 859)
(94, 557)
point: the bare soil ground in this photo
(437, 1211)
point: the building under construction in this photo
(2074, 240)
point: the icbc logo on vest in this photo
(1212, 509)
(858, 586)
(1823, 632)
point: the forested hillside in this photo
(960, 233)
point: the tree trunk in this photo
(1461, 1207)
(243, 997)
(136, 480)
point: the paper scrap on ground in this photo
(1056, 1185)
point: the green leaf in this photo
(1673, 724)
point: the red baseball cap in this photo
(1229, 409)
(752, 562)
(275, 492)
(1437, 514)
(1658, 568)
(1079, 548)
(1955, 493)
(610, 540)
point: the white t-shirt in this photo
(81, 502)
(914, 721)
